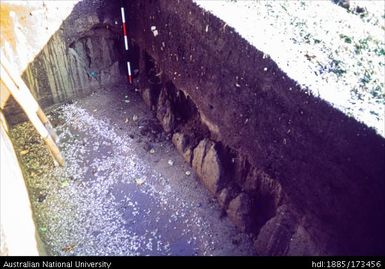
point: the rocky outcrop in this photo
(275, 237)
(164, 112)
(206, 162)
(241, 211)
(180, 141)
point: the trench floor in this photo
(124, 189)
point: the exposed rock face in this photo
(301, 243)
(240, 211)
(208, 166)
(180, 141)
(147, 97)
(164, 113)
(227, 194)
(275, 236)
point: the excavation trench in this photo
(292, 174)
(124, 190)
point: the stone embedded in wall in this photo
(179, 141)
(302, 244)
(227, 194)
(188, 155)
(164, 112)
(150, 92)
(147, 97)
(275, 236)
(240, 211)
(223, 197)
(207, 164)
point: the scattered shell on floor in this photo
(139, 181)
(94, 204)
(23, 152)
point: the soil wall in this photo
(301, 176)
(18, 234)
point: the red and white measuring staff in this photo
(126, 43)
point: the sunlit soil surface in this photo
(335, 53)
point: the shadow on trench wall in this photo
(84, 55)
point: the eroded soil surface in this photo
(124, 189)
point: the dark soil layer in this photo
(300, 175)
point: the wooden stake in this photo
(23, 96)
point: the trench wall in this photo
(84, 55)
(298, 175)
(301, 176)
(18, 234)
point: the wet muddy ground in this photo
(124, 189)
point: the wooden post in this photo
(4, 95)
(23, 96)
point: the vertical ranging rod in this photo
(126, 43)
